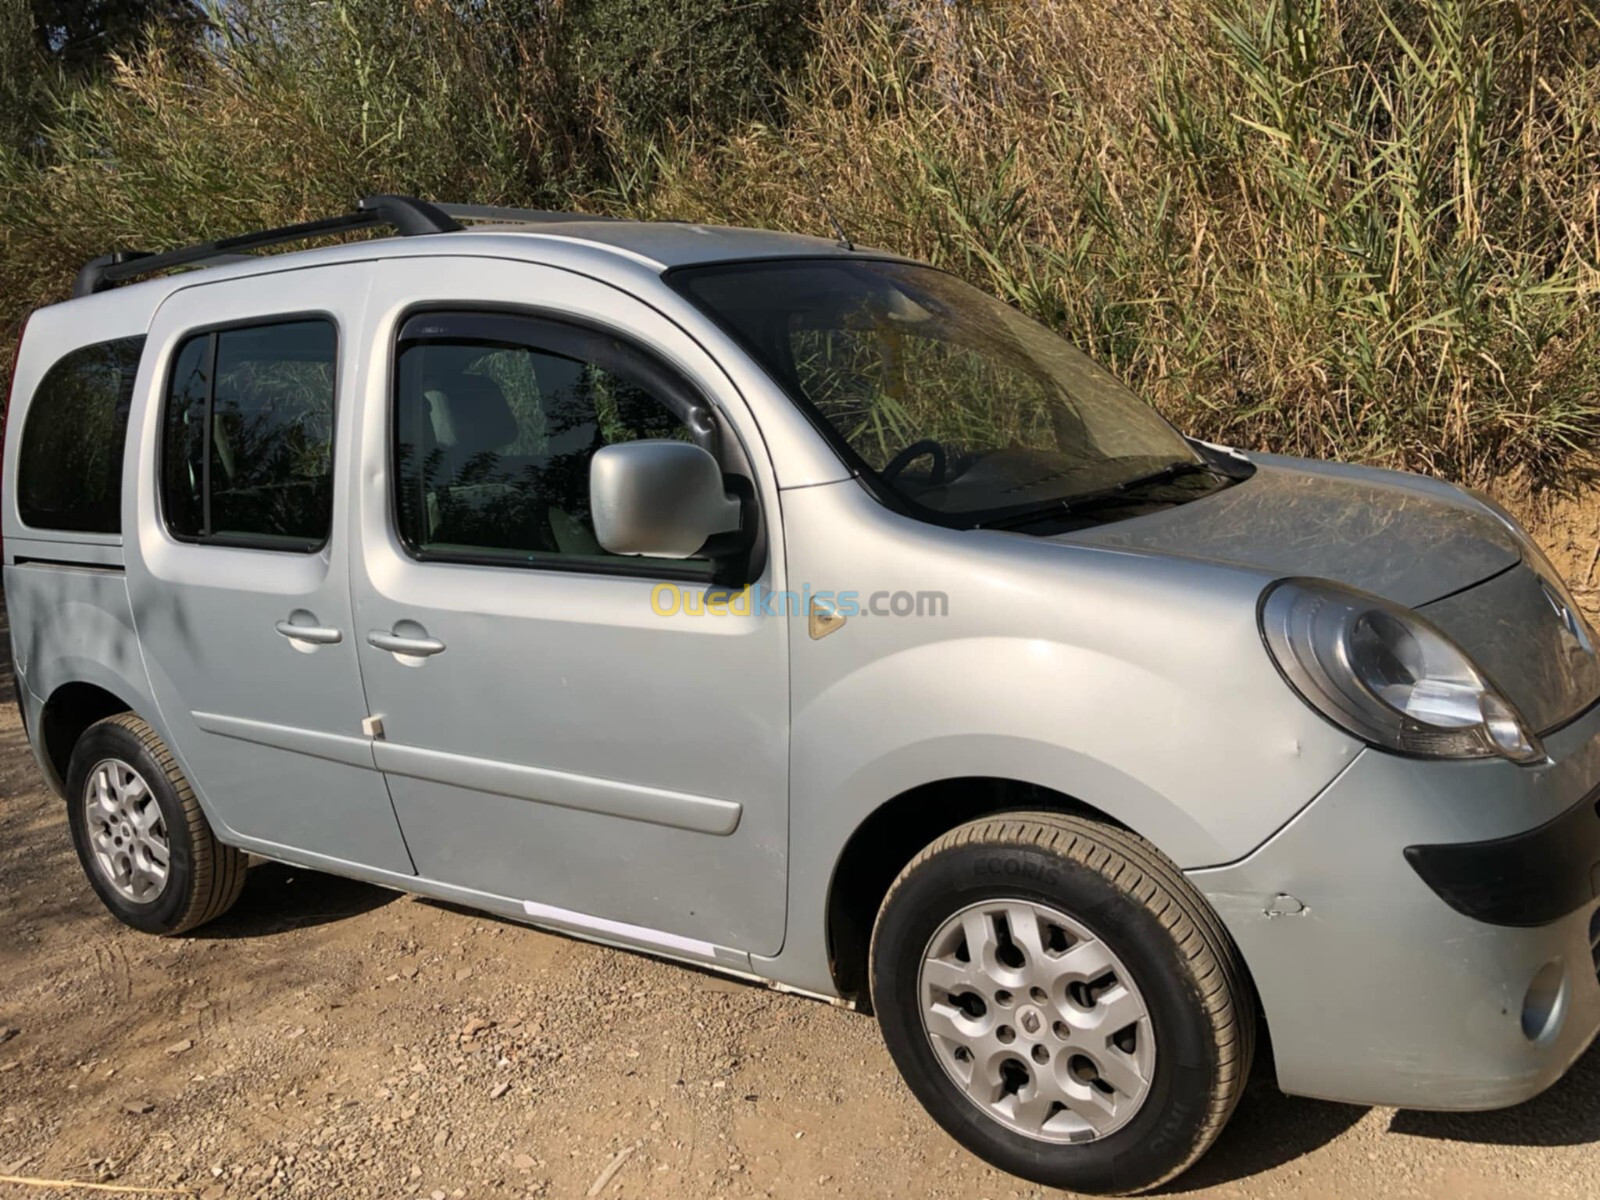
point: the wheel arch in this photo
(893, 834)
(67, 713)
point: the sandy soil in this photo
(331, 1039)
(1568, 527)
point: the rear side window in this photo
(247, 442)
(70, 465)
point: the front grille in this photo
(1594, 941)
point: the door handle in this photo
(319, 635)
(417, 647)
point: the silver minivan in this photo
(802, 613)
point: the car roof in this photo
(669, 244)
(628, 254)
(610, 247)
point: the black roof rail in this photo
(531, 216)
(406, 216)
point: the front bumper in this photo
(1381, 989)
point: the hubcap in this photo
(127, 832)
(1037, 1021)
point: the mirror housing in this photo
(661, 499)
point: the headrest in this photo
(470, 414)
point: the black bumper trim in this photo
(1524, 880)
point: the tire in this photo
(146, 801)
(1081, 928)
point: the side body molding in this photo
(657, 806)
(335, 747)
(698, 814)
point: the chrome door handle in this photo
(417, 647)
(320, 635)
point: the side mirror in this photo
(659, 498)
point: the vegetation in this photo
(1360, 229)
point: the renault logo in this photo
(1570, 620)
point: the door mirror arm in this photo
(731, 553)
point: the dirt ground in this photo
(332, 1039)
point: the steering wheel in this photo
(910, 454)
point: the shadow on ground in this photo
(1271, 1129)
(278, 897)
(1268, 1130)
(1567, 1115)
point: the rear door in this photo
(239, 574)
(550, 734)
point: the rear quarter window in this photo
(247, 451)
(69, 468)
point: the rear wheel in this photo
(1062, 1001)
(143, 841)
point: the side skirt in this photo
(734, 964)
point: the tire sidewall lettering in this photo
(1001, 867)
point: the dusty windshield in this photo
(954, 401)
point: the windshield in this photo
(955, 403)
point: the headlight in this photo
(1385, 674)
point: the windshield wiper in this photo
(1118, 495)
(1171, 471)
(1058, 508)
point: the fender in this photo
(838, 783)
(1073, 668)
(83, 634)
(75, 626)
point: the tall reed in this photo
(1331, 227)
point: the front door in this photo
(548, 736)
(239, 576)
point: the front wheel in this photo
(1062, 1001)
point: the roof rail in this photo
(530, 216)
(406, 216)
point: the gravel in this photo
(331, 1039)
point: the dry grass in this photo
(1308, 226)
(1335, 228)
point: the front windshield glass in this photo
(956, 403)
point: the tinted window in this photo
(956, 405)
(493, 438)
(247, 457)
(70, 470)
